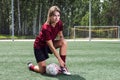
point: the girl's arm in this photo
(60, 34)
(52, 48)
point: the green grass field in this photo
(86, 61)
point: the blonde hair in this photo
(51, 12)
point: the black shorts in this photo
(42, 53)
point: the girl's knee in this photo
(64, 42)
(43, 70)
(42, 67)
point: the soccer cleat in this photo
(30, 66)
(65, 71)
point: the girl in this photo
(45, 43)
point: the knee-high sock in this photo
(63, 57)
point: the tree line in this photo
(29, 15)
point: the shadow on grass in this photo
(65, 77)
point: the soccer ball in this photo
(52, 69)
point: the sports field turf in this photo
(86, 61)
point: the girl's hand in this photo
(62, 64)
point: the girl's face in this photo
(55, 18)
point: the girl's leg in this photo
(40, 68)
(62, 44)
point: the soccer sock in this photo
(31, 67)
(63, 57)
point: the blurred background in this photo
(81, 18)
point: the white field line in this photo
(66, 40)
